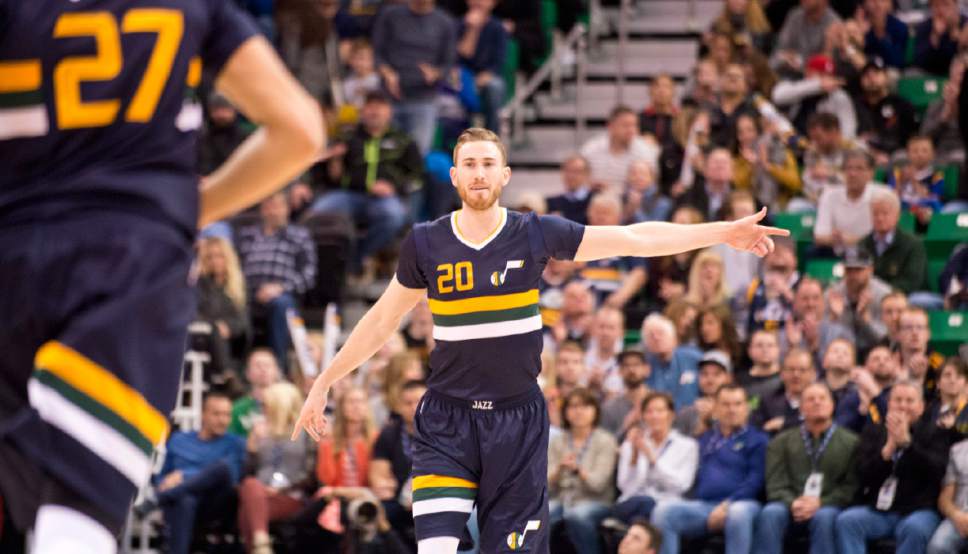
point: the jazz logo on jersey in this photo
(497, 278)
(516, 540)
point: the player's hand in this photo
(312, 418)
(748, 235)
(430, 73)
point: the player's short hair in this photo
(585, 396)
(477, 134)
(655, 536)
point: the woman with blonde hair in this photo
(344, 454)
(403, 367)
(221, 301)
(283, 481)
(745, 20)
(707, 281)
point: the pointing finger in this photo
(775, 231)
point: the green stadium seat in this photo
(944, 233)
(633, 337)
(920, 91)
(906, 223)
(511, 62)
(799, 224)
(949, 330)
(825, 270)
(880, 174)
(549, 19)
(951, 175)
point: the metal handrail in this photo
(512, 115)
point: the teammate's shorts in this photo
(490, 453)
(92, 334)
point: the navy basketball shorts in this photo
(492, 454)
(95, 315)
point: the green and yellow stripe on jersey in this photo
(438, 493)
(96, 408)
(485, 317)
(22, 110)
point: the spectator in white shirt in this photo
(656, 462)
(844, 213)
(611, 153)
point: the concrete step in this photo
(546, 146)
(658, 17)
(545, 182)
(645, 58)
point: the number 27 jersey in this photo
(484, 299)
(97, 104)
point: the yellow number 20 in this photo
(72, 111)
(464, 273)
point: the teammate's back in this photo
(99, 202)
(97, 103)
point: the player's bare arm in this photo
(656, 238)
(289, 138)
(371, 333)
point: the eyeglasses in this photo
(913, 327)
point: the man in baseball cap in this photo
(715, 370)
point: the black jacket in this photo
(919, 469)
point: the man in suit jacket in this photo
(899, 256)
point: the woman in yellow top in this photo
(763, 165)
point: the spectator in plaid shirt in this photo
(279, 263)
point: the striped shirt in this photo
(484, 299)
(287, 257)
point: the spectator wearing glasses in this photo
(781, 410)
(918, 363)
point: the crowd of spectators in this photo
(705, 394)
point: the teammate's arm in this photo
(289, 138)
(656, 238)
(369, 335)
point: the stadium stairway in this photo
(662, 38)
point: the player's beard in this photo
(473, 200)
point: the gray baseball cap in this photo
(719, 358)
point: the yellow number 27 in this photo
(72, 111)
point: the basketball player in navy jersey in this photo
(99, 206)
(482, 427)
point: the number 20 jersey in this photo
(484, 299)
(97, 107)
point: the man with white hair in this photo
(899, 256)
(643, 199)
(674, 367)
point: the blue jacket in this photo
(891, 48)
(678, 377)
(731, 468)
(190, 454)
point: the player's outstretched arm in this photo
(656, 238)
(369, 335)
(289, 138)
